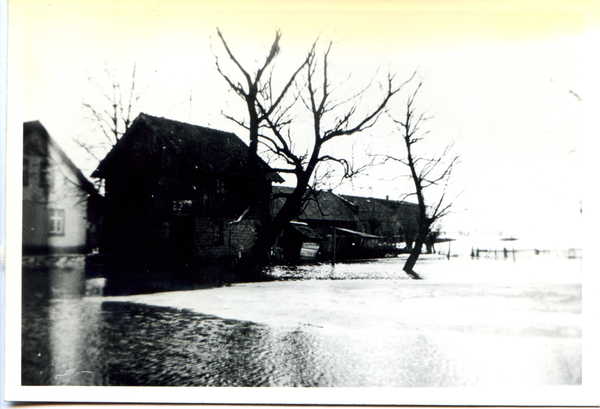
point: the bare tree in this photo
(425, 173)
(255, 89)
(274, 122)
(110, 108)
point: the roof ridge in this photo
(378, 199)
(150, 118)
(201, 146)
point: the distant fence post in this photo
(334, 248)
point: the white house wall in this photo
(65, 200)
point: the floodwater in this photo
(469, 322)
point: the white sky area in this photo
(506, 87)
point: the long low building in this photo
(345, 227)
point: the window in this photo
(57, 222)
(220, 196)
(45, 180)
(219, 234)
(220, 188)
(25, 171)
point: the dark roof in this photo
(319, 205)
(375, 205)
(385, 209)
(36, 126)
(207, 150)
(306, 231)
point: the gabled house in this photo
(56, 197)
(179, 195)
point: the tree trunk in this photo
(254, 124)
(250, 266)
(414, 254)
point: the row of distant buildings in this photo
(181, 195)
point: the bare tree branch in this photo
(110, 107)
(276, 120)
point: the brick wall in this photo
(216, 240)
(242, 236)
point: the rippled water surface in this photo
(469, 322)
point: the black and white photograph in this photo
(315, 203)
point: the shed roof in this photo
(358, 233)
(306, 231)
(205, 149)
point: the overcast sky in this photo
(506, 87)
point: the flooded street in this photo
(484, 322)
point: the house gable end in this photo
(38, 142)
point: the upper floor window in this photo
(57, 222)
(220, 187)
(45, 175)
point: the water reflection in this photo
(139, 345)
(178, 348)
(73, 336)
(70, 339)
(58, 329)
